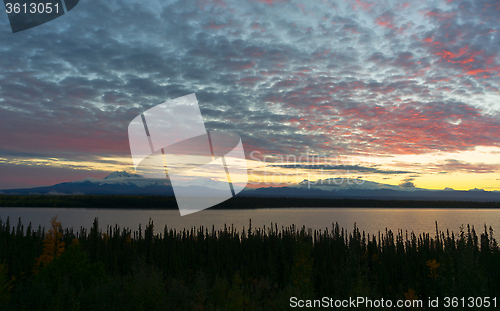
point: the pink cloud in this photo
(408, 128)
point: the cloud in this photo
(350, 168)
(407, 184)
(452, 165)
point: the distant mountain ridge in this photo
(124, 183)
(119, 183)
(342, 184)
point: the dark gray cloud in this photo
(337, 77)
(351, 168)
(407, 184)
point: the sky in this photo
(403, 93)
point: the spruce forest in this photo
(236, 268)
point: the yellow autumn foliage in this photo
(433, 265)
(410, 295)
(53, 246)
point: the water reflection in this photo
(371, 220)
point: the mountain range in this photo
(121, 183)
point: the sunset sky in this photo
(397, 92)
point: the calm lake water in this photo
(371, 220)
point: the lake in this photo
(371, 220)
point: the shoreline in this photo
(243, 203)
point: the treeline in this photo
(90, 201)
(230, 269)
(239, 202)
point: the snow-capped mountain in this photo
(115, 183)
(123, 183)
(344, 184)
(125, 179)
(204, 182)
